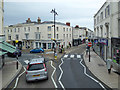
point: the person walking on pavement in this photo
(109, 65)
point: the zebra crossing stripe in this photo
(72, 56)
(78, 56)
(65, 56)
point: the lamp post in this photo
(54, 13)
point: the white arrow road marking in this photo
(78, 56)
(91, 76)
(26, 61)
(53, 74)
(72, 56)
(61, 75)
(65, 56)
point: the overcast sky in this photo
(77, 12)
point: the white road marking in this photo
(18, 78)
(65, 56)
(49, 52)
(26, 61)
(61, 74)
(78, 56)
(52, 75)
(72, 56)
(91, 76)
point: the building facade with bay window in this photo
(38, 34)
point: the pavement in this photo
(98, 67)
(9, 71)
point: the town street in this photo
(69, 72)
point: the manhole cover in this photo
(100, 65)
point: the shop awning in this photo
(2, 53)
(4, 46)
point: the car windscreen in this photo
(36, 67)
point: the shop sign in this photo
(104, 41)
(95, 41)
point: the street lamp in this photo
(54, 13)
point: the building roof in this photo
(36, 23)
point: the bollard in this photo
(17, 65)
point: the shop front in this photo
(103, 45)
(100, 47)
(115, 53)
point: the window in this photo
(70, 35)
(107, 11)
(63, 36)
(57, 29)
(37, 28)
(28, 28)
(17, 37)
(9, 37)
(67, 35)
(94, 21)
(15, 29)
(101, 15)
(57, 36)
(64, 29)
(70, 29)
(8, 30)
(49, 28)
(97, 19)
(18, 29)
(11, 30)
(101, 32)
(25, 29)
(33, 67)
(67, 29)
(36, 44)
(37, 36)
(26, 35)
(49, 36)
(49, 45)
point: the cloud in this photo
(79, 12)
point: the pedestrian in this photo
(109, 64)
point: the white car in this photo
(36, 70)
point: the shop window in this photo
(49, 45)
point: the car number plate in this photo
(36, 75)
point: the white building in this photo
(39, 34)
(1, 20)
(106, 23)
(81, 34)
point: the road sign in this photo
(89, 44)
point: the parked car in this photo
(14, 54)
(36, 70)
(37, 50)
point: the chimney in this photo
(28, 21)
(77, 26)
(68, 23)
(39, 20)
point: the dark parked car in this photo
(37, 50)
(14, 54)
